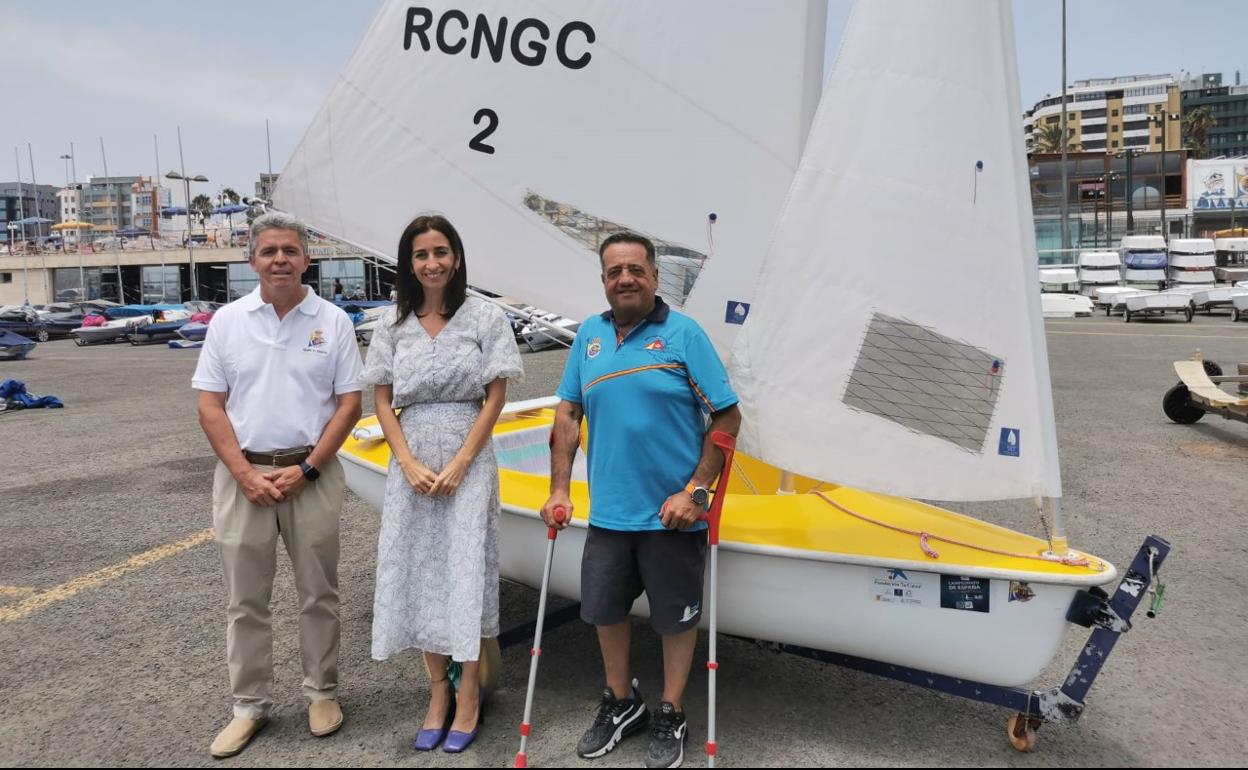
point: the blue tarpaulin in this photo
(14, 391)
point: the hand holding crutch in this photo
(522, 759)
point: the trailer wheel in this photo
(41, 335)
(1021, 730)
(1212, 369)
(1126, 316)
(1177, 406)
(1107, 306)
(1187, 313)
(1234, 314)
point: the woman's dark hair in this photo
(411, 295)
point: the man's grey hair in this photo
(276, 220)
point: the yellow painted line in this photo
(18, 592)
(100, 577)
(1178, 336)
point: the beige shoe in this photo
(236, 735)
(324, 717)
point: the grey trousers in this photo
(247, 539)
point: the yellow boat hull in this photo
(841, 570)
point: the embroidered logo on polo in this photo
(656, 344)
(593, 348)
(316, 339)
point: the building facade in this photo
(265, 185)
(147, 198)
(30, 201)
(105, 202)
(1228, 104)
(1111, 115)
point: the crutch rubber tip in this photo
(710, 750)
(712, 665)
(521, 760)
(525, 729)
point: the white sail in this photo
(540, 127)
(895, 342)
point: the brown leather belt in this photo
(282, 459)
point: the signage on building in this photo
(1218, 184)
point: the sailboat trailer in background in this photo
(933, 387)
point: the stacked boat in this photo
(1144, 259)
(1232, 259)
(1192, 261)
(1097, 269)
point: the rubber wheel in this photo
(1212, 369)
(1177, 406)
(1021, 733)
(78, 341)
(42, 335)
(1126, 316)
(1107, 306)
(1187, 313)
(1234, 314)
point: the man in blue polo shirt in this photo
(644, 376)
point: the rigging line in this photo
(741, 472)
(924, 537)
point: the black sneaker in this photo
(667, 737)
(615, 719)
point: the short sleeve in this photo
(500, 358)
(347, 363)
(570, 386)
(707, 374)
(379, 365)
(210, 370)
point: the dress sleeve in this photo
(379, 365)
(499, 355)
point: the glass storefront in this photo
(161, 284)
(350, 272)
(242, 280)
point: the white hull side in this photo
(1065, 305)
(823, 604)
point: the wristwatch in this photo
(310, 473)
(701, 495)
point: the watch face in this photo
(700, 496)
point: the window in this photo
(1113, 129)
(1113, 113)
(6, 278)
(1096, 144)
(1114, 143)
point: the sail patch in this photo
(925, 381)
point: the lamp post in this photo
(190, 242)
(1164, 117)
(1129, 155)
(1108, 180)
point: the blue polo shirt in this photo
(645, 398)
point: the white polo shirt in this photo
(282, 376)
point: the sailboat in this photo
(861, 395)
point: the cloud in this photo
(187, 78)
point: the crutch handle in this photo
(561, 514)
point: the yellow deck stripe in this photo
(100, 577)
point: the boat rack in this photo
(1109, 617)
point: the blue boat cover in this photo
(17, 345)
(15, 390)
(1145, 260)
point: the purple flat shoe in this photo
(428, 739)
(456, 741)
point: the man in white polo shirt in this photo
(279, 390)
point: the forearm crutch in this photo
(727, 444)
(522, 759)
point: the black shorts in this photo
(667, 564)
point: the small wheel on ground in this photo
(1107, 309)
(1126, 316)
(1188, 313)
(1177, 406)
(1234, 314)
(1021, 733)
(42, 335)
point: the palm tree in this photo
(1196, 125)
(230, 195)
(1048, 138)
(202, 205)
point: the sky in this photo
(132, 73)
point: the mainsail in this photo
(531, 124)
(895, 341)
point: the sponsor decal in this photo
(736, 312)
(958, 592)
(907, 588)
(1010, 442)
(656, 344)
(593, 348)
(1020, 591)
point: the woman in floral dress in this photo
(443, 359)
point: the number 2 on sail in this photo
(491, 123)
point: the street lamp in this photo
(1164, 117)
(190, 242)
(1108, 181)
(1130, 156)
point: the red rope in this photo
(924, 537)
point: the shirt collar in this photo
(656, 316)
(307, 305)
